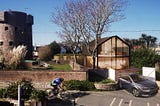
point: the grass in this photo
(65, 67)
(54, 66)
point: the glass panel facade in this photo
(114, 53)
(114, 47)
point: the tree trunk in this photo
(93, 64)
(75, 58)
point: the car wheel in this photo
(135, 92)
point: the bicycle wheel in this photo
(50, 93)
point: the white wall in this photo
(149, 72)
(111, 74)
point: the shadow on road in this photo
(59, 102)
(67, 100)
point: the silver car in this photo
(138, 85)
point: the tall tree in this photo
(147, 40)
(86, 20)
(55, 48)
(134, 43)
(144, 58)
(101, 14)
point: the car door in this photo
(126, 82)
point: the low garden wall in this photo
(39, 78)
(76, 66)
(104, 73)
(101, 72)
(120, 73)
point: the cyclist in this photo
(57, 85)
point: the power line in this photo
(42, 32)
(112, 31)
(136, 31)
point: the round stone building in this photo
(16, 29)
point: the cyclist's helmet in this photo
(61, 79)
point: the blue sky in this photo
(141, 16)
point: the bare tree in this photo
(101, 14)
(67, 19)
(86, 20)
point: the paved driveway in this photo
(116, 98)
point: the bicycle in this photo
(54, 93)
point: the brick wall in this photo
(104, 73)
(76, 66)
(39, 78)
(125, 71)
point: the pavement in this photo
(59, 102)
(69, 99)
(117, 98)
(73, 97)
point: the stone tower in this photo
(16, 29)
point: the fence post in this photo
(20, 102)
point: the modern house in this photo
(113, 52)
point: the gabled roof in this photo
(101, 41)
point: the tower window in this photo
(6, 28)
(10, 43)
(16, 28)
(1, 43)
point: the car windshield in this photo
(136, 78)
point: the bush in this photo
(12, 89)
(86, 85)
(3, 93)
(79, 85)
(38, 95)
(106, 81)
(72, 84)
(15, 57)
(28, 91)
(144, 58)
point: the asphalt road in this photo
(105, 98)
(116, 98)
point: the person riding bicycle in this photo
(57, 84)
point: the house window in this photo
(1, 43)
(16, 28)
(6, 28)
(10, 43)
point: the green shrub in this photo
(12, 89)
(144, 58)
(38, 95)
(28, 91)
(105, 81)
(79, 85)
(3, 93)
(72, 84)
(86, 85)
